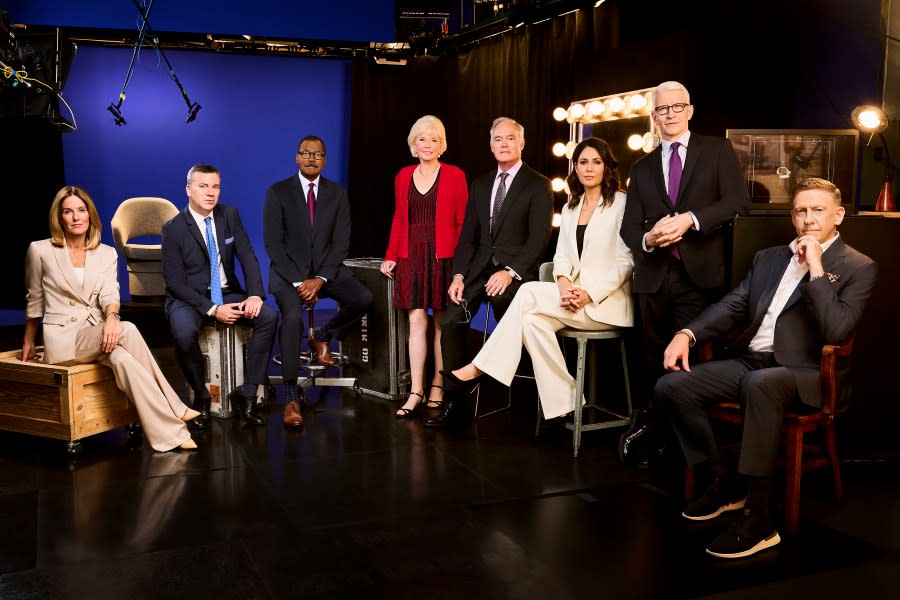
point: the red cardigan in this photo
(453, 193)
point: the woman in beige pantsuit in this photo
(592, 268)
(72, 286)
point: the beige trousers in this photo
(532, 320)
(137, 374)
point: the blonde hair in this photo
(816, 183)
(57, 235)
(423, 124)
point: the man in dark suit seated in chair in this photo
(795, 299)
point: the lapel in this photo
(773, 277)
(660, 180)
(571, 226)
(221, 235)
(694, 150)
(91, 272)
(518, 185)
(833, 257)
(68, 271)
(194, 230)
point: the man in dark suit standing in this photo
(306, 226)
(199, 247)
(502, 243)
(795, 299)
(681, 198)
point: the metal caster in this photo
(74, 449)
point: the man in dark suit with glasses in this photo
(682, 198)
(306, 227)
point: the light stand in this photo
(193, 107)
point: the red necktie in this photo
(311, 202)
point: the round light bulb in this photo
(570, 149)
(637, 102)
(650, 141)
(559, 149)
(869, 119)
(558, 184)
(557, 219)
(615, 104)
(635, 141)
(575, 112)
(559, 113)
(595, 109)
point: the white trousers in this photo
(532, 320)
(137, 374)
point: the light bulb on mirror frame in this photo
(570, 150)
(559, 149)
(650, 142)
(559, 113)
(575, 113)
(557, 219)
(635, 141)
(558, 184)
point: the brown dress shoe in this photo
(292, 416)
(322, 353)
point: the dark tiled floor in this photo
(360, 503)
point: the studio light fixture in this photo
(116, 109)
(873, 120)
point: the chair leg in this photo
(828, 433)
(625, 375)
(689, 473)
(793, 448)
(579, 393)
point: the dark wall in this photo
(357, 20)
(766, 64)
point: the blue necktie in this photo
(215, 284)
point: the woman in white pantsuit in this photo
(73, 288)
(592, 267)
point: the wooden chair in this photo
(799, 455)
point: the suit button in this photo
(73, 319)
(71, 303)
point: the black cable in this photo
(115, 109)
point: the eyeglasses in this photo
(306, 154)
(468, 315)
(676, 108)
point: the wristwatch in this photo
(114, 314)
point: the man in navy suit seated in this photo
(306, 226)
(795, 299)
(199, 248)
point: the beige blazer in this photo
(604, 268)
(53, 291)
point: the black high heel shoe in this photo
(455, 384)
(406, 413)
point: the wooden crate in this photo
(66, 403)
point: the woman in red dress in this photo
(430, 202)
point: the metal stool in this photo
(315, 372)
(582, 337)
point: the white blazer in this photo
(53, 291)
(604, 268)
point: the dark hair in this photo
(610, 184)
(312, 138)
(201, 168)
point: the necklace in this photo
(432, 174)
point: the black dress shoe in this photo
(245, 407)
(201, 406)
(447, 414)
(643, 441)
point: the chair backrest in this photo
(139, 217)
(546, 272)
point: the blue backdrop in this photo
(255, 110)
(354, 21)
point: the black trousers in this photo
(764, 389)
(662, 313)
(455, 326)
(353, 299)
